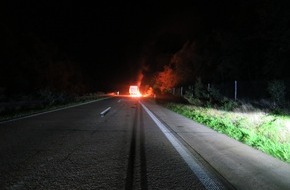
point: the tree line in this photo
(232, 40)
(30, 65)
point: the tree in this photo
(166, 79)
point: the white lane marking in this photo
(119, 100)
(105, 111)
(184, 153)
(37, 114)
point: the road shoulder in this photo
(243, 166)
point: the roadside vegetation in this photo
(264, 124)
(44, 100)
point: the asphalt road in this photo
(120, 143)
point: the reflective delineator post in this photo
(236, 89)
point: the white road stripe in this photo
(105, 111)
(184, 153)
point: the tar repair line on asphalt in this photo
(184, 153)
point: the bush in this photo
(189, 96)
(215, 95)
(50, 97)
(229, 105)
(277, 91)
(199, 90)
(167, 97)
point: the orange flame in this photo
(134, 91)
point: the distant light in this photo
(134, 91)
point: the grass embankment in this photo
(266, 132)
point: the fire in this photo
(134, 91)
(149, 92)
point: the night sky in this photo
(112, 42)
(106, 38)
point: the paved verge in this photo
(243, 166)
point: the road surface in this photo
(121, 143)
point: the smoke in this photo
(142, 69)
(139, 78)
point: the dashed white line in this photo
(105, 111)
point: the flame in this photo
(149, 92)
(134, 91)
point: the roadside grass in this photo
(264, 131)
(26, 110)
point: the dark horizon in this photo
(102, 46)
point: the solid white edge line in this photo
(184, 153)
(37, 114)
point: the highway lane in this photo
(79, 148)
